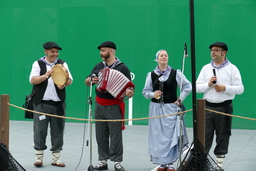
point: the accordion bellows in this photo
(113, 82)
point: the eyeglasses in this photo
(215, 50)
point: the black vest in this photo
(169, 87)
(39, 89)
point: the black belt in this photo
(51, 102)
(227, 102)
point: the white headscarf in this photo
(157, 53)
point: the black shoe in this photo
(101, 166)
(118, 167)
(218, 168)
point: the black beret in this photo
(108, 44)
(220, 44)
(49, 45)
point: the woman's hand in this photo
(178, 102)
(158, 94)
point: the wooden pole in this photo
(201, 121)
(4, 120)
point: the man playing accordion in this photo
(107, 107)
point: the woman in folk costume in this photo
(161, 87)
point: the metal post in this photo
(90, 168)
(201, 121)
(193, 72)
(4, 120)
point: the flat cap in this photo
(108, 44)
(49, 45)
(220, 44)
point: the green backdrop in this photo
(139, 29)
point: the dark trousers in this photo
(109, 134)
(56, 126)
(221, 126)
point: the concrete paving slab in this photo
(76, 155)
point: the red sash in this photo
(107, 102)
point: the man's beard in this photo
(106, 56)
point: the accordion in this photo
(113, 82)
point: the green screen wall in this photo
(139, 29)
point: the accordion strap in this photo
(118, 63)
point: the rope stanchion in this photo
(136, 119)
(4, 119)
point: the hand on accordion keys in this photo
(129, 92)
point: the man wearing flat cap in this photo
(48, 98)
(49, 45)
(109, 134)
(108, 44)
(220, 81)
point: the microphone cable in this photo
(84, 135)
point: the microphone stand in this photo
(90, 168)
(180, 106)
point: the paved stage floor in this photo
(76, 155)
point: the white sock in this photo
(220, 160)
(170, 166)
(163, 166)
(104, 161)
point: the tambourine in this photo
(60, 75)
